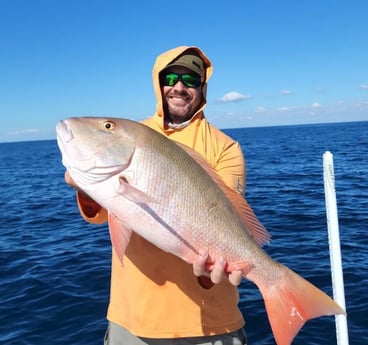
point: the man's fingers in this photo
(235, 277)
(218, 270)
(69, 180)
(199, 266)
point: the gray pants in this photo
(117, 335)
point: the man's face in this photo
(180, 102)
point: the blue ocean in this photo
(55, 268)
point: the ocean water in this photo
(55, 268)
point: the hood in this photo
(161, 63)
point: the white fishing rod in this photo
(334, 244)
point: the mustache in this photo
(179, 93)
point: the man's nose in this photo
(179, 86)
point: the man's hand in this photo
(217, 274)
(88, 206)
(69, 180)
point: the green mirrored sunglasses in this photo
(189, 80)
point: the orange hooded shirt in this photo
(155, 294)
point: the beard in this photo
(178, 112)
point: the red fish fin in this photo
(255, 228)
(132, 193)
(119, 235)
(245, 267)
(292, 302)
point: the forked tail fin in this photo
(292, 302)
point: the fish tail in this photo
(291, 302)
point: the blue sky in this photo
(275, 62)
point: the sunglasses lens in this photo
(171, 79)
(191, 80)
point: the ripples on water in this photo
(56, 283)
(55, 267)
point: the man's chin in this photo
(179, 115)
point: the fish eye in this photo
(109, 125)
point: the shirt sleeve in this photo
(90, 210)
(230, 166)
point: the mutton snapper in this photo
(170, 196)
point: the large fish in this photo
(170, 196)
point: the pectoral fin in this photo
(119, 235)
(132, 193)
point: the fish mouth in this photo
(64, 135)
(63, 131)
(82, 163)
(69, 149)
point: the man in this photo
(155, 297)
